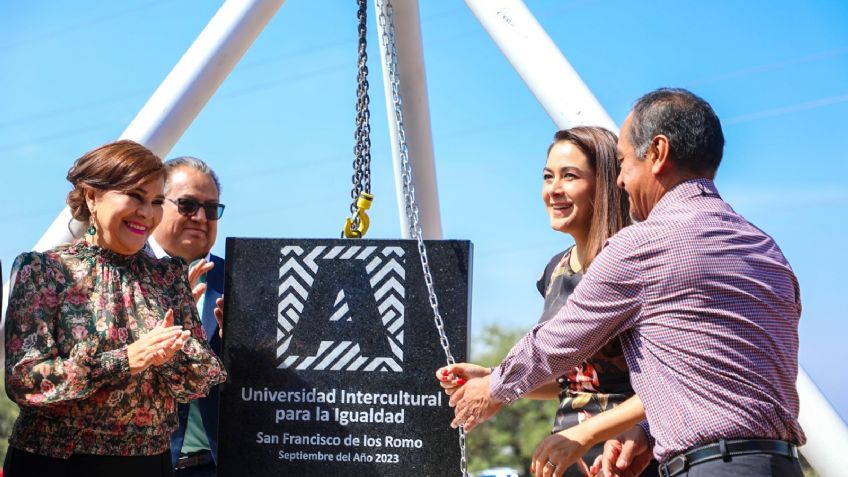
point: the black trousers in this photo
(26, 464)
(766, 465)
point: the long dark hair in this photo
(611, 210)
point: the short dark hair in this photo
(610, 207)
(119, 165)
(191, 163)
(696, 142)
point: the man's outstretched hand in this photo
(473, 404)
(195, 271)
(219, 315)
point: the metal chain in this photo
(362, 148)
(388, 38)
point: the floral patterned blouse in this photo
(72, 312)
(599, 383)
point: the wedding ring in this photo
(550, 463)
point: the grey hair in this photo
(193, 163)
(693, 129)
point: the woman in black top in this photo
(582, 200)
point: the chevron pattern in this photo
(387, 277)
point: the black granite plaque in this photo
(331, 350)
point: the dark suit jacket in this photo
(208, 405)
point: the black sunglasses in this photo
(188, 207)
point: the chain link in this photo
(387, 24)
(362, 148)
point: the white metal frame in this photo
(416, 119)
(180, 97)
(186, 90)
(557, 87)
(548, 75)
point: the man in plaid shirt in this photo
(704, 303)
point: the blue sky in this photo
(280, 129)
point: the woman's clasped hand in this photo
(157, 346)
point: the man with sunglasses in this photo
(188, 230)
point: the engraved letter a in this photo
(340, 307)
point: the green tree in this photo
(510, 437)
(8, 414)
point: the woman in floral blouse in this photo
(102, 340)
(582, 200)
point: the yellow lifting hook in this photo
(363, 203)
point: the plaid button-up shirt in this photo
(707, 309)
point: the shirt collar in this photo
(153, 248)
(687, 189)
(156, 250)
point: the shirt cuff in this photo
(110, 365)
(504, 393)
